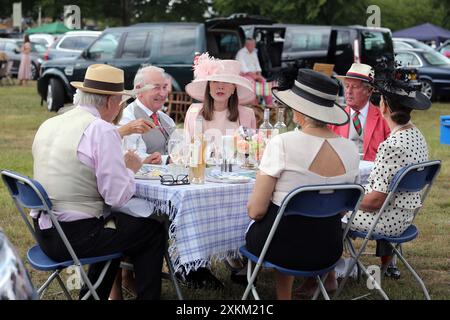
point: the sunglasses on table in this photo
(170, 180)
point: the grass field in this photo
(429, 253)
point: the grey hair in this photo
(139, 77)
(82, 98)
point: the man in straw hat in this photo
(367, 128)
(78, 159)
(151, 87)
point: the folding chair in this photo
(318, 201)
(413, 178)
(29, 194)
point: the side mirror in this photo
(85, 54)
(16, 50)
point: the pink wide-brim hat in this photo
(221, 71)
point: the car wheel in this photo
(34, 71)
(55, 95)
(427, 89)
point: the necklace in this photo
(400, 127)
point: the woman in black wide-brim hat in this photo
(405, 146)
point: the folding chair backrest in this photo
(322, 200)
(415, 177)
(27, 192)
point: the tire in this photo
(34, 71)
(428, 89)
(55, 95)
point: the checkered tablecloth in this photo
(208, 220)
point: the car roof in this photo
(405, 39)
(417, 50)
(82, 33)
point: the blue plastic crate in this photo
(445, 129)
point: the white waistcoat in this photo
(70, 184)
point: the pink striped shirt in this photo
(100, 148)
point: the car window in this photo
(375, 44)
(435, 59)
(135, 43)
(402, 45)
(176, 48)
(105, 47)
(76, 42)
(10, 46)
(406, 59)
(306, 40)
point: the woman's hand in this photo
(139, 126)
(373, 201)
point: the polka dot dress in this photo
(400, 149)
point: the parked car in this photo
(12, 48)
(433, 70)
(45, 38)
(444, 48)
(408, 43)
(15, 283)
(71, 44)
(171, 46)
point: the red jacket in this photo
(376, 130)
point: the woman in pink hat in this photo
(222, 92)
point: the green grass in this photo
(429, 253)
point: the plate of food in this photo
(151, 172)
(227, 177)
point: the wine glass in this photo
(177, 149)
(131, 143)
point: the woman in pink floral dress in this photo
(25, 62)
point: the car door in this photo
(103, 50)
(136, 50)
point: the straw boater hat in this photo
(102, 79)
(314, 95)
(359, 71)
(210, 69)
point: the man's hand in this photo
(132, 161)
(139, 126)
(154, 158)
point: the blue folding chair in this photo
(29, 194)
(412, 178)
(318, 201)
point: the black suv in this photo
(171, 46)
(304, 45)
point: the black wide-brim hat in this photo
(415, 100)
(314, 95)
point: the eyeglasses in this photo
(170, 180)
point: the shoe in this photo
(234, 264)
(392, 272)
(202, 278)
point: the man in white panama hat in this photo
(78, 159)
(366, 128)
